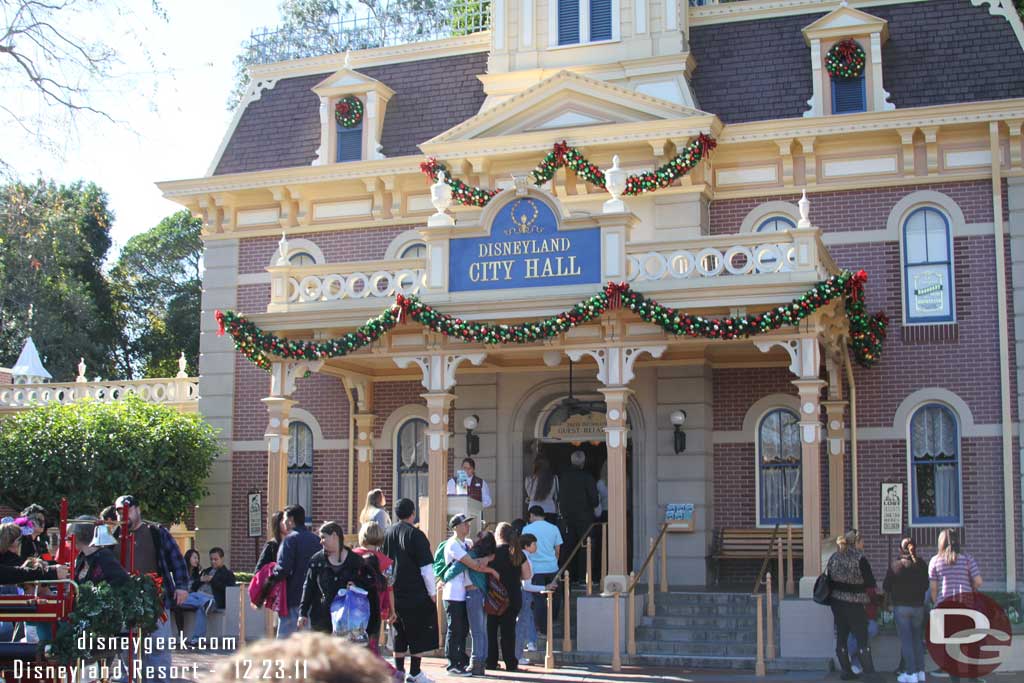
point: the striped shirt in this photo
(953, 578)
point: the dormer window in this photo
(352, 110)
(584, 21)
(848, 95)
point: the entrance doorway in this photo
(558, 454)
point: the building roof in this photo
(29, 364)
(282, 128)
(939, 52)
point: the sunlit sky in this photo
(169, 106)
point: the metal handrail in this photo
(650, 556)
(765, 561)
(579, 544)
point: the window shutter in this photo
(600, 20)
(568, 22)
(848, 95)
(350, 143)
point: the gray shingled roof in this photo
(282, 128)
(939, 52)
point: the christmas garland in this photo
(845, 60)
(562, 154)
(348, 111)
(103, 610)
(866, 332)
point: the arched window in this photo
(928, 267)
(935, 465)
(778, 466)
(300, 466)
(414, 250)
(411, 456)
(775, 224)
(301, 258)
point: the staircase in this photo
(696, 630)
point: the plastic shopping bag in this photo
(350, 614)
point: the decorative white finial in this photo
(181, 365)
(805, 211)
(81, 371)
(282, 250)
(521, 183)
(441, 198)
(615, 183)
(348, 58)
(843, 3)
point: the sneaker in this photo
(856, 669)
(421, 677)
(907, 678)
(531, 647)
(920, 677)
(210, 606)
(461, 672)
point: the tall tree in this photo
(53, 241)
(310, 28)
(158, 283)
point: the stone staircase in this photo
(696, 631)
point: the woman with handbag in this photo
(849, 577)
(906, 583)
(512, 567)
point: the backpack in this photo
(496, 600)
(440, 566)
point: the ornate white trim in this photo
(804, 354)
(256, 87)
(1006, 10)
(439, 369)
(615, 365)
(283, 375)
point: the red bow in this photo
(402, 304)
(615, 290)
(219, 316)
(706, 143)
(429, 167)
(847, 48)
(343, 108)
(560, 149)
(861, 277)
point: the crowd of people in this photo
(910, 584)
(488, 581)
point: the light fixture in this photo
(678, 417)
(472, 440)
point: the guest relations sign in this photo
(525, 249)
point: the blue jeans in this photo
(455, 634)
(199, 601)
(287, 625)
(158, 662)
(526, 630)
(852, 645)
(477, 626)
(910, 626)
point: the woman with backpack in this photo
(371, 537)
(512, 567)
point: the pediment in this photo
(348, 81)
(565, 100)
(846, 21)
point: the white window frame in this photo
(911, 482)
(584, 26)
(757, 470)
(904, 284)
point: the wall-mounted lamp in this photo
(678, 417)
(472, 440)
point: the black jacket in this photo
(34, 547)
(222, 578)
(267, 555)
(907, 582)
(322, 584)
(99, 566)
(10, 575)
(577, 495)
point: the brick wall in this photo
(390, 396)
(253, 298)
(858, 209)
(362, 244)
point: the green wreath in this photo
(845, 60)
(348, 111)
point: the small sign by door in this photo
(892, 509)
(255, 515)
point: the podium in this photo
(464, 505)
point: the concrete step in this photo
(696, 610)
(683, 662)
(704, 621)
(705, 598)
(682, 635)
(697, 648)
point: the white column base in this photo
(807, 587)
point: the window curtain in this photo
(412, 458)
(934, 447)
(779, 468)
(300, 466)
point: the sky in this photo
(168, 101)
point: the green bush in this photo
(92, 452)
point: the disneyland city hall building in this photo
(762, 261)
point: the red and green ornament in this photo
(845, 60)
(349, 111)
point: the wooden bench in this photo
(750, 544)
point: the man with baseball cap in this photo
(456, 549)
(156, 552)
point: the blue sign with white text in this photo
(525, 249)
